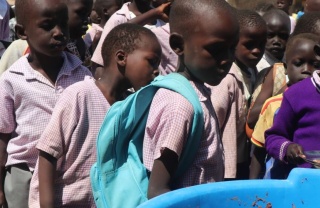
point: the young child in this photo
(299, 50)
(68, 144)
(104, 9)
(285, 5)
(78, 11)
(295, 130)
(271, 79)
(30, 89)
(205, 56)
(129, 11)
(232, 96)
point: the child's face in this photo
(79, 11)
(301, 60)
(277, 35)
(47, 29)
(142, 64)
(251, 46)
(208, 52)
(284, 5)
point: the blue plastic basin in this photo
(301, 189)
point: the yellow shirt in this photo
(265, 120)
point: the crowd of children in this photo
(256, 74)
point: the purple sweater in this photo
(298, 121)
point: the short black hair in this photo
(306, 36)
(250, 19)
(185, 14)
(126, 37)
(280, 13)
(308, 23)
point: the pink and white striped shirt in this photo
(168, 126)
(70, 137)
(27, 100)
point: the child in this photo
(285, 5)
(131, 57)
(308, 23)
(128, 12)
(296, 128)
(231, 98)
(300, 47)
(78, 11)
(271, 79)
(205, 56)
(104, 9)
(30, 89)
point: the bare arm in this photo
(4, 139)
(266, 92)
(47, 169)
(162, 171)
(257, 162)
(152, 15)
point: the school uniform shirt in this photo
(89, 36)
(27, 100)
(119, 17)
(70, 137)
(169, 59)
(297, 120)
(230, 99)
(265, 121)
(168, 126)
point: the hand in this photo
(3, 201)
(163, 11)
(295, 154)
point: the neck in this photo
(49, 67)
(112, 86)
(184, 71)
(138, 9)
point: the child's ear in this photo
(20, 32)
(106, 12)
(121, 58)
(177, 43)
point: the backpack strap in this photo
(181, 85)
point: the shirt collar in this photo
(124, 10)
(70, 63)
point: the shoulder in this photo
(80, 89)
(271, 102)
(300, 88)
(170, 101)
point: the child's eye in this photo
(47, 26)
(154, 63)
(297, 63)
(316, 64)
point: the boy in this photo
(205, 56)
(285, 5)
(300, 47)
(271, 78)
(71, 151)
(295, 130)
(30, 89)
(232, 97)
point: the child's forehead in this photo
(45, 7)
(254, 32)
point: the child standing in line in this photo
(300, 47)
(295, 130)
(68, 144)
(104, 9)
(30, 89)
(231, 97)
(78, 11)
(285, 5)
(205, 56)
(271, 79)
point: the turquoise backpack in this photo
(119, 178)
